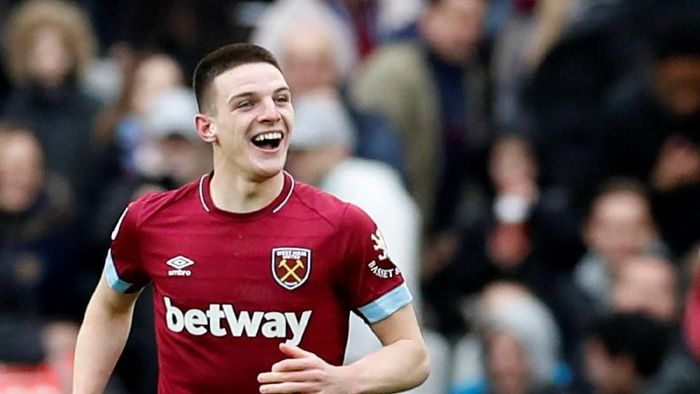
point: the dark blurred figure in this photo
(655, 123)
(563, 104)
(432, 89)
(185, 29)
(624, 351)
(495, 243)
(619, 225)
(49, 43)
(39, 307)
(650, 285)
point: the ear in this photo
(205, 128)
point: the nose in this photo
(269, 112)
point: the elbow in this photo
(424, 368)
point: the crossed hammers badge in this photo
(291, 266)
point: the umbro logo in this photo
(179, 263)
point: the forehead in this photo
(254, 78)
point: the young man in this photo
(254, 275)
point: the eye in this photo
(245, 104)
(282, 99)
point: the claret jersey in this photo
(228, 288)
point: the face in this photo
(648, 285)
(507, 364)
(606, 373)
(154, 76)
(252, 121)
(49, 61)
(620, 226)
(454, 28)
(512, 168)
(21, 172)
(308, 59)
(677, 83)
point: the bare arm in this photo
(101, 338)
(402, 363)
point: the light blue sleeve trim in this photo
(386, 305)
(112, 277)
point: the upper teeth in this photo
(274, 135)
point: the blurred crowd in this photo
(534, 166)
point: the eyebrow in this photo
(248, 94)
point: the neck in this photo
(235, 193)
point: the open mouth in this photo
(270, 140)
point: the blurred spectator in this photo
(184, 29)
(356, 26)
(496, 243)
(619, 225)
(646, 284)
(49, 43)
(308, 62)
(624, 351)
(655, 127)
(527, 36)
(171, 155)
(564, 109)
(518, 345)
(120, 133)
(649, 285)
(39, 306)
(432, 90)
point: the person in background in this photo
(624, 351)
(120, 132)
(650, 285)
(432, 90)
(620, 225)
(357, 27)
(48, 45)
(309, 65)
(517, 345)
(39, 305)
(654, 130)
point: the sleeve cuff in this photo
(386, 305)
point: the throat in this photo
(237, 195)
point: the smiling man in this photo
(254, 274)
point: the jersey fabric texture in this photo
(228, 288)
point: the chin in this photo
(269, 169)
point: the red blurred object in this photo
(692, 321)
(41, 379)
(524, 5)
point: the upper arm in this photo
(113, 301)
(401, 324)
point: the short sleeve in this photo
(123, 266)
(377, 287)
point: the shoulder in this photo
(395, 53)
(166, 202)
(332, 209)
(408, 56)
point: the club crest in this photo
(291, 266)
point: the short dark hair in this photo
(633, 334)
(676, 32)
(223, 59)
(619, 185)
